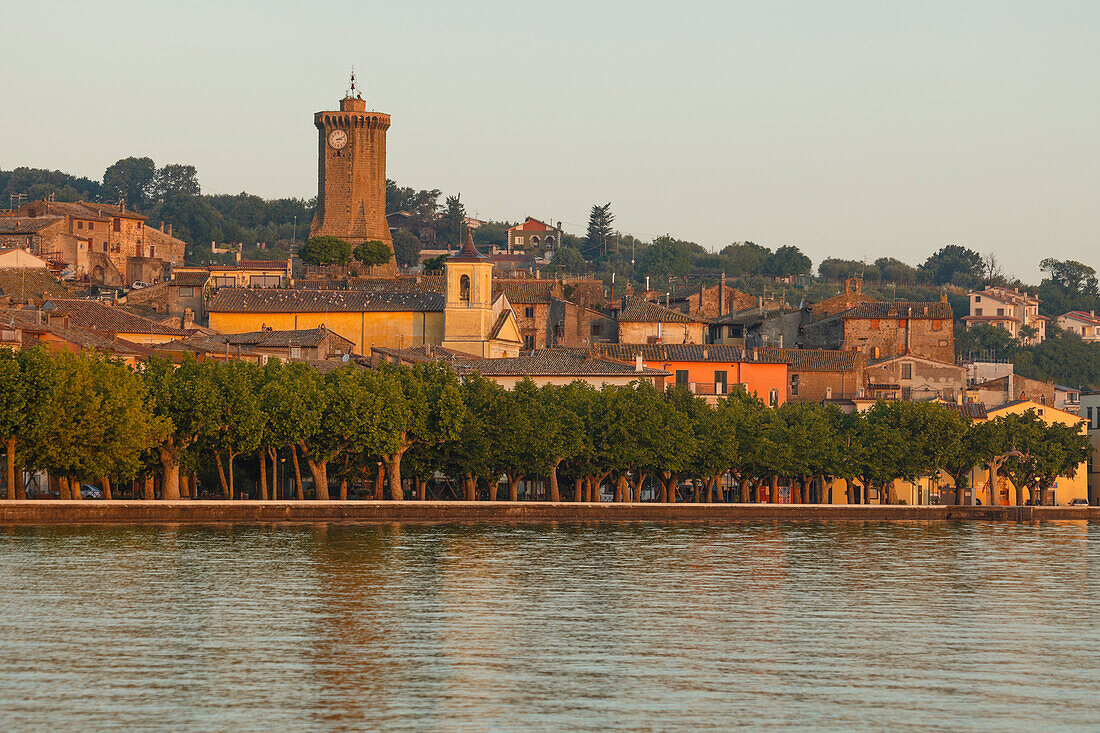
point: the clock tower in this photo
(351, 175)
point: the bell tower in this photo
(351, 175)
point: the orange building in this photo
(712, 369)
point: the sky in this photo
(849, 129)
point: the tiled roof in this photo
(306, 337)
(636, 310)
(557, 362)
(33, 283)
(190, 279)
(468, 253)
(813, 360)
(989, 318)
(111, 210)
(526, 292)
(98, 316)
(262, 265)
(1083, 316)
(75, 209)
(425, 353)
(400, 284)
(970, 410)
(284, 300)
(501, 320)
(32, 324)
(25, 224)
(904, 309)
(688, 352)
(532, 224)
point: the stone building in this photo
(351, 175)
(1012, 388)
(530, 300)
(910, 377)
(111, 319)
(642, 322)
(878, 330)
(711, 301)
(819, 375)
(574, 325)
(850, 298)
(104, 243)
(312, 344)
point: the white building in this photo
(1085, 325)
(1009, 309)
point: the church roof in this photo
(283, 300)
(468, 253)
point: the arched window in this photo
(549, 241)
(464, 289)
(535, 240)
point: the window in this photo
(91, 225)
(828, 393)
(874, 324)
(528, 312)
(597, 329)
(295, 352)
(117, 224)
(519, 240)
(937, 325)
(152, 251)
(224, 282)
(977, 311)
(720, 381)
(977, 299)
(1000, 311)
(906, 371)
(529, 342)
(907, 393)
(794, 385)
(186, 292)
(139, 225)
(80, 225)
(261, 281)
(773, 397)
(1088, 413)
(735, 332)
(464, 289)
(681, 377)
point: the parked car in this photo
(1079, 502)
(90, 492)
(139, 284)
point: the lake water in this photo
(845, 626)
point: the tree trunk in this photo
(319, 470)
(994, 499)
(578, 490)
(695, 495)
(232, 482)
(263, 475)
(343, 489)
(621, 489)
(471, 488)
(149, 492)
(513, 484)
(745, 487)
(397, 492)
(63, 491)
(297, 471)
(106, 484)
(773, 494)
(421, 489)
(638, 488)
(221, 476)
(555, 494)
(170, 467)
(9, 450)
(193, 486)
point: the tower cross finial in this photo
(353, 91)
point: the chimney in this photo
(188, 318)
(638, 361)
(169, 232)
(238, 257)
(722, 295)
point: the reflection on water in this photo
(841, 626)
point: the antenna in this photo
(353, 91)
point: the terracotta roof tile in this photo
(92, 314)
(813, 360)
(307, 337)
(558, 362)
(688, 352)
(636, 310)
(904, 309)
(27, 284)
(190, 279)
(285, 300)
(26, 224)
(527, 292)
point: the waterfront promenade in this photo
(218, 512)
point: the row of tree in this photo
(84, 418)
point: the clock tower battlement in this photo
(351, 175)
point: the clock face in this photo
(337, 139)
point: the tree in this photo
(599, 227)
(325, 250)
(561, 430)
(787, 261)
(23, 401)
(1071, 276)
(453, 221)
(664, 258)
(435, 265)
(130, 180)
(372, 252)
(239, 420)
(175, 179)
(832, 269)
(406, 248)
(894, 271)
(568, 259)
(956, 265)
(744, 258)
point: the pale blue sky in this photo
(851, 129)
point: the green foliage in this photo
(788, 260)
(435, 265)
(131, 180)
(567, 259)
(600, 220)
(406, 248)
(175, 179)
(451, 228)
(325, 251)
(665, 258)
(37, 183)
(371, 252)
(956, 265)
(492, 234)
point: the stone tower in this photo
(351, 175)
(468, 316)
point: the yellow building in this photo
(465, 318)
